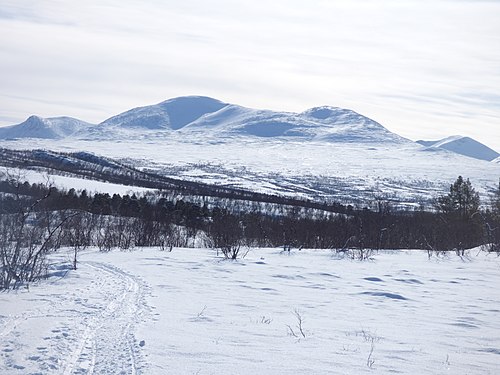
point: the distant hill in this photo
(171, 114)
(47, 128)
(464, 146)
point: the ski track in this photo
(86, 335)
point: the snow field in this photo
(190, 312)
(351, 171)
(92, 186)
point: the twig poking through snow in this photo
(299, 327)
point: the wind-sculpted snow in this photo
(188, 312)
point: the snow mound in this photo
(464, 146)
(46, 128)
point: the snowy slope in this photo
(464, 146)
(188, 312)
(171, 114)
(329, 124)
(91, 186)
(48, 128)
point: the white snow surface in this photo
(190, 312)
(344, 171)
(79, 184)
(464, 146)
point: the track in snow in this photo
(84, 330)
(108, 345)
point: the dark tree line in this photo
(36, 219)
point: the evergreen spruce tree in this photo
(462, 200)
(461, 228)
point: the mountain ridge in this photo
(209, 118)
(215, 118)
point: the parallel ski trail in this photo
(107, 346)
(84, 325)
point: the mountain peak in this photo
(184, 110)
(40, 127)
(192, 100)
(463, 145)
(171, 114)
(336, 115)
(35, 118)
(324, 112)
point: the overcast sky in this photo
(424, 69)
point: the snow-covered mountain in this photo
(329, 124)
(323, 153)
(46, 128)
(464, 146)
(171, 114)
(197, 115)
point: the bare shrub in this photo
(226, 235)
(372, 339)
(78, 232)
(298, 330)
(26, 237)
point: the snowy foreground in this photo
(189, 312)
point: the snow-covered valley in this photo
(345, 172)
(190, 312)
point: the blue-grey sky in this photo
(424, 69)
